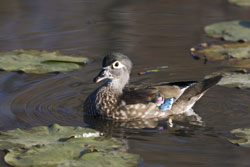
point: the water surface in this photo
(152, 33)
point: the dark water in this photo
(152, 33)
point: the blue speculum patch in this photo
(167, 104)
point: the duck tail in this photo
(192, 94)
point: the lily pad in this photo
(226, 51)
(63, 146)
(244, 3)
(243, 137)
(33, 61)
(234, 79)
(239, 64)
(231, 30)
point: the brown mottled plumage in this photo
(115, 100)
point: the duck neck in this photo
(117, 85)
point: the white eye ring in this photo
(117, 64)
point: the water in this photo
(152, 33)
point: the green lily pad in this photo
(63, 146)
(230, 30)
(243, 137)
(33, 61)
(226, 51)
(244, 3)
(234, 79)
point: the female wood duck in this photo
(115, 100)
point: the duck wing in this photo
(192, 94)
(148, 92)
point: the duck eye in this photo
(116, 64)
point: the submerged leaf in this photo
(234, 55)
(244, 3)
(243, 137)
(226, 51)
(33, 61)
(239, 64)
(46, 146)
(230, 30)
(153, 70)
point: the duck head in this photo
(116, 68)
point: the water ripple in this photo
(48, 102)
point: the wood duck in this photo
(116, 100)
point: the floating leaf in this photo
(243, 137)
(225, 51)
(63, 146)
(230, 30)
(235, 55)
(234, 79)
(239, 64)
(244, 3)
(33, 61)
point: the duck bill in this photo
(104, 74)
